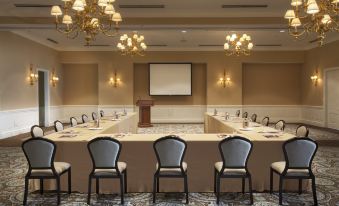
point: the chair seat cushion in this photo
(229, 171)
(280, 167)
(172, 171)
(60, 167)
(102, 172)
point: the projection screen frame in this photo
(149, 79)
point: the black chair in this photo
(94, 116)
(280, 125)
(299, 154)
(254, 117)
(237, 113)
(170, 152)
(105, 153)
(244, 115)
(235, 152)
(84, 118)
(37, 131)
(265, 121)
(102, 113)
(302, 131)
(40, 153)
(73, 121)
(58, 126)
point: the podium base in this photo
(142, 125)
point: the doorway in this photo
(43, 97)
(332, 98)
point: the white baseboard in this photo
(13, 122)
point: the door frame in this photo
(325, 93)
(47, 96)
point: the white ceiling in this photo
(170, 35)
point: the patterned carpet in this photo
(13, 167)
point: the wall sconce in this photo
(225, 80)
(315, 78)
(54, 78)
(114, 81)
(33, 75)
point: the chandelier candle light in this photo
(313, 16)
(134, 45)
(91, 17)
(236, 45)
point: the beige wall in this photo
(80, 84)
(16, 54)
(271, 84)
(317, 59)
(216, 62)
(141, 87)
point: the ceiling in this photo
(205, 21)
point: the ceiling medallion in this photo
(238, 45)
(134, 45)
(91, 18)
(313, 16)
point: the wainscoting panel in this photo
(313, 115)
(110, 109)
(177, 113)
(77, 111)
(13, 122)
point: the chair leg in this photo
(154, 187)
(122, 190)
(218, 188)
(125, 179)
(280, 189)
(314, 191)
(215, 181)
(41, 186)
(271, 181)
(26, 191)
(89, 190)
(69, 181)
(97, 185)
(158, 184)
(58, 190)
(186, 188)
(300, 186)
(243, 185)
(250, 188)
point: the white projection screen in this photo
(170, 79)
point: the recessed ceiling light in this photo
(183, 31)
(282, 31)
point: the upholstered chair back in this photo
(235, 151)
(170, 151)
(94, 116)
(299, 152)
(280, 125)
(84, 118)
(58, 126)
(265, 121)
(302, 131)
(37, 131)
(102, 113)
(244, 115)
(254, 117)
(39, 152)
(74, 121)
(237, 113)
(104, 152)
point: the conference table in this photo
(202, 152)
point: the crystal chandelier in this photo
(309, 16)
(134, 45)
(236, 45)
(91, 18)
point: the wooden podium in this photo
(145, 112)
